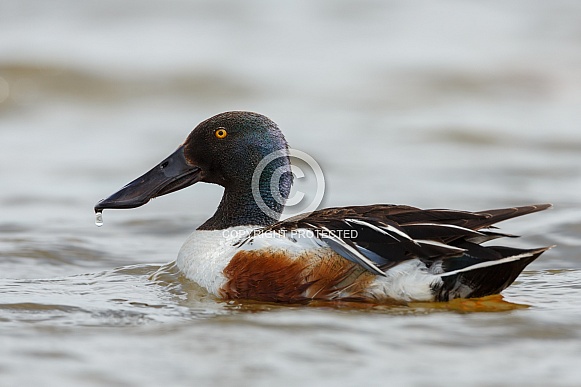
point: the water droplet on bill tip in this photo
(99, 218)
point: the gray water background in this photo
(467, 105)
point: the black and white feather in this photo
(447, 242)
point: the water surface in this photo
(448, 105)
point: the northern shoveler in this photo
(376, 253)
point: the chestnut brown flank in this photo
(272, 275)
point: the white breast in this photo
(205, 254)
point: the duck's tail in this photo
(484, 277)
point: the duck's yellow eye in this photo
(221, 133)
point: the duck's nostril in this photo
(164, 164)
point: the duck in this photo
(380, 253)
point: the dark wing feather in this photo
(440, 232)
(478, 280)
(496, 216)
(389, 234)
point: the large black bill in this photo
(172, 174)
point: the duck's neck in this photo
(239, 206)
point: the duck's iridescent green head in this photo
(226, 150)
